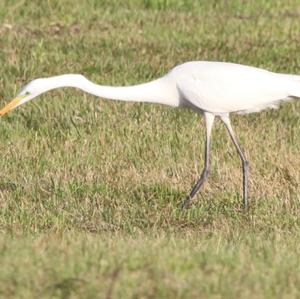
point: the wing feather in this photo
(224, 89)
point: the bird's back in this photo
(220, 87)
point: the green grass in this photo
(90, 189)
(191, 266)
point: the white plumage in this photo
(211, 88)
(219, 88)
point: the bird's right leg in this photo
(209, 120)
(245, 163)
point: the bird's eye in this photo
(27, 93)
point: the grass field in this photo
(90, 189)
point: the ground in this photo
(90, 189)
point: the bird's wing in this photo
(195, 92)
(221, 95)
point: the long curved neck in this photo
(160, 91)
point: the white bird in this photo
(210, 88)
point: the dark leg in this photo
(209, 120)
(245, 163)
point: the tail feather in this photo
(295, 90)
(292, 84)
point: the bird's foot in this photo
(186, 204)
(246, 205)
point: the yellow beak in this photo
(11, 105)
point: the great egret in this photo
(210, 88)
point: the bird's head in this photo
(41, 85)
(27, 93)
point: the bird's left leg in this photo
(209, 120)
(245, 163)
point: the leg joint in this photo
(205, 172)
